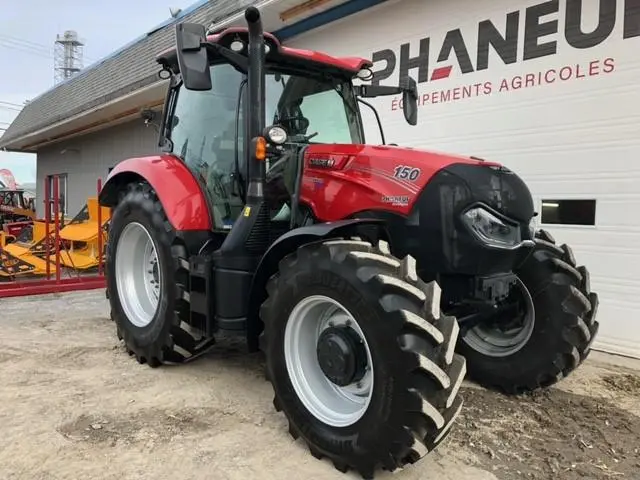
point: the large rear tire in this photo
(556, 330)
(345, 310)
(147, 276)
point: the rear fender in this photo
(368, 229)
(178, 190)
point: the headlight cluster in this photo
(491, 229)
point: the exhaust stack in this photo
(256, 100)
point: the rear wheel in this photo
(361, 361)
(551, 333)
(147, 274)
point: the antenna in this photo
(67, 55)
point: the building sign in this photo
(449, 55)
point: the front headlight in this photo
(490, 229)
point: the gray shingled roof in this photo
(128, 69)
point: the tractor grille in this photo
(444, 244)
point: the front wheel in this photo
(147, 277)
(550, 335)
(361, 361)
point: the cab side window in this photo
(204, 136)
(327, 116)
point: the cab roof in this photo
(279, 55)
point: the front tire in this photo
(557, 329)
(147, 278)
(393, 393)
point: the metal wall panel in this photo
(88, 157)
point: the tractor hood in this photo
(394, 155)
(413, 174)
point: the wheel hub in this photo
(138, 274)
(336, 383)
(505, 336)
(341, 355)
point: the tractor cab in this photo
(309, 99)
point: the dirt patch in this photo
(627, 383)
(143, 427)
(553, 434)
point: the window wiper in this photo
(239, 181)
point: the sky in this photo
(28, 31)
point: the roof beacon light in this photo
(237, 45)
(365, 74)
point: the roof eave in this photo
(116, 111)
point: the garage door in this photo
(548, 88)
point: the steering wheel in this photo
(296, 128)
(296, 124)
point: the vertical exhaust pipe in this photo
(255, 100)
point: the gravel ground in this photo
(74, 405)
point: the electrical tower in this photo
(67, 56)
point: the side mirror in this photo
(410, 101)
(192, 57)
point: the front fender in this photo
(178, 190)
(368, 228)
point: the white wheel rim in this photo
(333, 405)
(138, 276)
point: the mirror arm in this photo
(408, 88)
(239, 61)
(371, 91)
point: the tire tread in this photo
(178, 345)
(436, 370)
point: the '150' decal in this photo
(406, 173)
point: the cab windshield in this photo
(206, 128)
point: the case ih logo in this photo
(539, 37)
(322, 162)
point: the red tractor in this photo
(268, 215)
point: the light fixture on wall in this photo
(301, 8)
(149, 116)
(64, 151)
